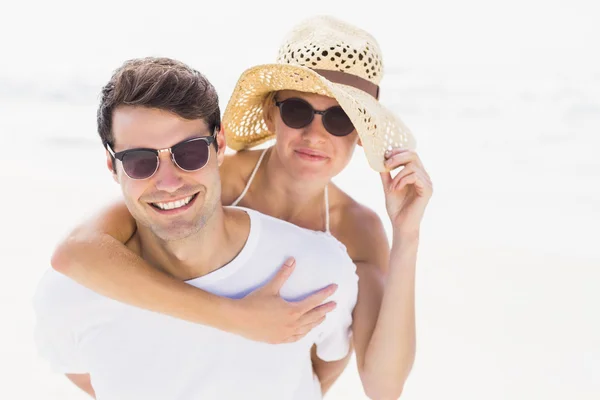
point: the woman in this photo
(319, 101)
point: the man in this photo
(159, 121)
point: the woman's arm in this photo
(83, 382)
(384, 316)
(328, 371)
(384, 324)
(95, 256)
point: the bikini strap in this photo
(235, 203)
(327, 210)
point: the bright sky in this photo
(74, 38)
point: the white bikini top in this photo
(236, 202)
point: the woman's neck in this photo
(281, 195)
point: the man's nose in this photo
(168, 176)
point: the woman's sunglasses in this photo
(297, 113)
(189, 155)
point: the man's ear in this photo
(110, 164)
(222, 145)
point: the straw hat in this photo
(326, 56)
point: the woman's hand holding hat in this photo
(408, 193)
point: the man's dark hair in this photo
(160, 83)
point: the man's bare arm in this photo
(83, 382)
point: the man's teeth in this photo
(174, 204)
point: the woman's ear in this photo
(359, 142)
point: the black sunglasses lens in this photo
(140, 164)
(337, 122)
(296, 113)
(191, 155)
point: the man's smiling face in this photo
(172, 203)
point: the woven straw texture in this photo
(318, 43)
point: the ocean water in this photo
(504, 101)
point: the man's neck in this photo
(216, 244)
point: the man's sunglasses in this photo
(297, 113)
(189, 155)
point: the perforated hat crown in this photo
(330, 44)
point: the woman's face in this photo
(310, 152)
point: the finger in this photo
(424, 185)
(395, 151)
(317, 313)
(412, 179)
(425, 178)
(282, 275)
(294, 338)
(304, 329)
(386, 179)
(399, 160)
(317, 298)
(407, 170)
(402, 158)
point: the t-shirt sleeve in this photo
(58, 347)
(333, 342)
(54, 335)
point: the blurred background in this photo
(503, 97)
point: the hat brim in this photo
(378, 128)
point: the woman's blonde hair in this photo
(268, 105)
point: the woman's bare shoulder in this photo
(235, 171)
(359, 227)
(353, 214)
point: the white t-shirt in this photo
(132, 353)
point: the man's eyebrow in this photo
(205, 133)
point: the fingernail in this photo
(334, 287)
(290, 262)
(387, 153)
